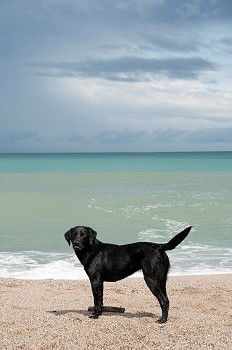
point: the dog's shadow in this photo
(88, 313)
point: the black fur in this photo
(111, 262)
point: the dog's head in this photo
(81, 237)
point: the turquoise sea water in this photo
(125, 197)
(116, 162)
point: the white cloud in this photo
(142, 106)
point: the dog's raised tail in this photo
(175, 241)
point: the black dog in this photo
(111, 262)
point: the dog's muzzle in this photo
(77, 247)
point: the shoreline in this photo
(134, 276)
(129, 277)
(52, 314)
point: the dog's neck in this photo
(86, 256)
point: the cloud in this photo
(219, 135)
(118, 69)
(227, 44)
(121, 137)
(18, 137)
(170, 136)
(201, 136)
(122, 140)
(227, 40)
(147, 47)
(174, 44)
(72, 137)
(161, 10)
(131, 68)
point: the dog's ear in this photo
(92, 235)
(68, 236)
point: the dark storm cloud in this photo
(30, 27)
(134, 68)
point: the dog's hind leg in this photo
(158, 289)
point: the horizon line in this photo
(117, 152)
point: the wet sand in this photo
(52, 314)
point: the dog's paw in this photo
(161, 320)
(94, 316)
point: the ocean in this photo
(125, 197)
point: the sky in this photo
(115, 75)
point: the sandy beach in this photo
(52, 314)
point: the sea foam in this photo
(191, 259)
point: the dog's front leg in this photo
(97, 289)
